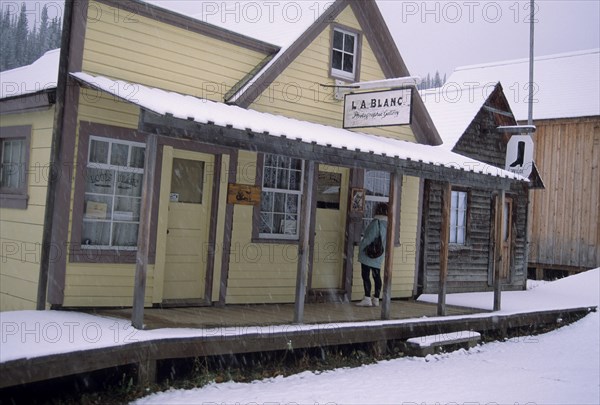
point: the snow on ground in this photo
(561, 367)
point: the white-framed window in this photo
(281, 193)
(377, 189)
(113, 194)
(344, 54)
(458, 217)
(12, 164)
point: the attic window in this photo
(344, 54)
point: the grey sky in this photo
(431, 35)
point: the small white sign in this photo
(519, 155)
(378, 109)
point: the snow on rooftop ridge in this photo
(41, 75)
(565, 85)
(205, 111)
(452, 109)
(526, 60)
(277, 23)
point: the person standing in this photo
(369, 265)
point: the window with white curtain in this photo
(377, 189)
(12, 167)
(281, 192)
(113, 194)
(458, 217)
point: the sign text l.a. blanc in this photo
(377, 109)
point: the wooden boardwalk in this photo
(277, 314)
(350, 329)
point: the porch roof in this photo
(250, 129)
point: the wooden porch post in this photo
(498, 263)
(444, 240)
(143, 248)
(393, 218)
(303, 246)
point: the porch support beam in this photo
(145, 232)
(303, 246)
(265, 143)
(444, 241)
(393, 218)
(499, 262)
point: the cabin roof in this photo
(453, 109)
(567, 85)
(189, 108)
(40, 76)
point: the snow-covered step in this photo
(424, 345)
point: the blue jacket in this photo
(369, 236)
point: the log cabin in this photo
(565, 216)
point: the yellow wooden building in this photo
(191, 165)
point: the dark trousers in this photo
(366, 276)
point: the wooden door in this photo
(506, 238)
(185, 258)
(327, 270)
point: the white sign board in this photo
(377, 109)
(519, 155)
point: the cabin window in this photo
(344, 54)
(14, 160)
(281, 192)
(113, 194)
(458, 217)
(377, 189)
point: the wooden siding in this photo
(21, 230)
(469, 265)
(102, 284)
(258, 272)
(565, 217)
(297, 91)
(160, 55)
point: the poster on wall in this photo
(378, 108)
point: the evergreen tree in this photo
(21, 34)
(21, 46)
(437, 81)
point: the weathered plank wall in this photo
(565, 217)
(470, 265)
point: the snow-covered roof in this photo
(205, 111)
(453, 108)
(41, 75)
(286, 19)
(566, 85)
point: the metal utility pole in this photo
(531, 29)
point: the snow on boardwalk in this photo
(560, 367)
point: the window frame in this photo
(16, 197)
(384, 199)
(467, 221)
(342, 74)
(103, 255)
(117, 169)
(257, 236)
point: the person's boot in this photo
(375, 302)
(366, 302)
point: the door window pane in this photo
(187, 180)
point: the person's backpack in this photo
(375, 248)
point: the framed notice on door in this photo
(357, 203)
